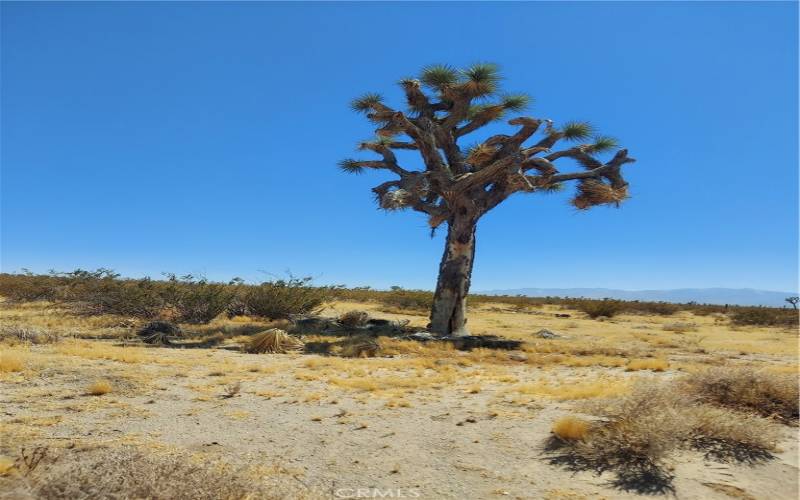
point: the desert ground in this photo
(90, 405)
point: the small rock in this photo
(547, 334)
(516, 356)
(563, 315)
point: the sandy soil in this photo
(458, 426)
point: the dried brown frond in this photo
(273, 341)
(480, 154)
(593, 192)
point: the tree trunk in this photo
(448, 315)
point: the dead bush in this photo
(27, 334)
(125, 473)
(639, 432)
(359, 346)
(353, 319)
(273, 341)
(765, 393)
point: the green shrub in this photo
(764, 316)
(598, 308)
(284, 298)
(196, 300)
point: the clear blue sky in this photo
(203, 138)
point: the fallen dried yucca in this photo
(273, 341)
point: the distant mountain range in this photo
(733, 296)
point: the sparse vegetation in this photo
(99, 388)
(126, 472)
(654, 364)
(11, 362)
(639, 431)
(766, 393)
(571, 428)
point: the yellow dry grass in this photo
(653, 364)
(11, 362)
(99, 388)
(6, 465)
(571, 428)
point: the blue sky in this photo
(203, 138)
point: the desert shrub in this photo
(359, 346)
(658, 308)
(764, 316)
(126, 473)
(766, 393)
(598, 308)
(414, 300)
(195, 299)
(27, 334)
(641, 430)
(284, 298)
(27, 287)
(353, 319)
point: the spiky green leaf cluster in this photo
(439, 76)
(576, 131)
(603, 143)
(350, 166)
(515, 102)
(365, 103)
(485, 76)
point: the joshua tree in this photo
(793, 301)
(458, 184)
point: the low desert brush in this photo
(129, 473)
(99, 387)
(353, 319)
(767, 393)
(571, 428)
(273, 341)
(361, 346)
(639, 432)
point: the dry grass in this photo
(11, 362)
(6, 465)
(766, 393)
(130, 473)
(572, 390)
(99, 388)
(273, 341)
(679, 327)
(654, 364)
(571, 428)
(639, 431)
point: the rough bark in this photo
(448, 315)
